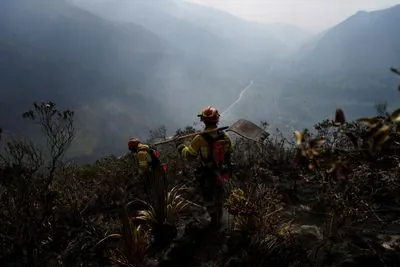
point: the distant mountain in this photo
(245, 37)
(223, 39)
(291, 36)
(365, 42)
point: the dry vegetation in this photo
(331, 198)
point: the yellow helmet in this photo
(209, 115)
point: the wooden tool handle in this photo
(190, 135)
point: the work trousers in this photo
(213, 193)
(155, 187)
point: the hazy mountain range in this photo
(127, 67)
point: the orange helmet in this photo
(133, 143)
(209, 115)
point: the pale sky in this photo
(311, 15)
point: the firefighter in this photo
(152, 171)
(214, 149)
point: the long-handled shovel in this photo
(242, 127)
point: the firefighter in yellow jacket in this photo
(149, 162)
(214, 149)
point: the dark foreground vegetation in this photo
(329, 199)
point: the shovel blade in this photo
(248, 130)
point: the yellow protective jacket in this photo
(144, 158)
(199, 146)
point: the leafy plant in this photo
(175, 205)
(163, 219)
(134, 243)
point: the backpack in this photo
(155, 159)
(217, 160)
(155, 156)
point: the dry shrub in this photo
(264, 236)
(254, 209)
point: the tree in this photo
(26, 173)
(58, 128)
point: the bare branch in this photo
(58, 128)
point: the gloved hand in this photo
(180, 147)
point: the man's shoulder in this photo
(198, 138)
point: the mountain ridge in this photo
(372, 30)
